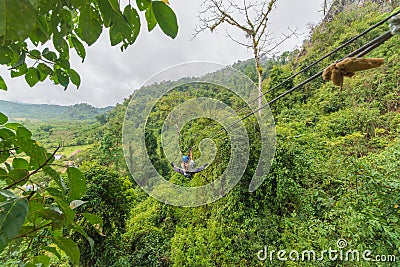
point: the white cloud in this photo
(109, 75)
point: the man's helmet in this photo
(185, 159)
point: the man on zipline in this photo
(188, 166)
(188, 162)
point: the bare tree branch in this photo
(238, 42)
(251, 17)
(34, 172)
(246, 10)
(264, 20)
(9, 150)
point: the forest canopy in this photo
(333, 182)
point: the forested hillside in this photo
(23, 111)
(334, 176)
(333, 185)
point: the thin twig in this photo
(33, 230)
(9, 150)
(39, 58)
(34, 172)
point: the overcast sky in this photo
(109, 75)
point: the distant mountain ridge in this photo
(19, 111)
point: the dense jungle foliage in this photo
(335, 174)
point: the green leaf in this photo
(125, 27)
(3, 175)
(69, 214)
(19, 163)
(150, 18)
(60, 44)
(54, 23)
(114, 4)
(118, 30)
(106, 12)
(52, 250)
(62, 78)
(93, 219)
(9, 168)
(143, 4)
(90, 24)
(166, 18)
(7, 194)
(69, 247)
(43, 68)
(12, 216)
(13, 125)
(55, 192)
(23, 133)
(3, 118)
(80, 230)
(133, 19)
(19, 71)
(75, 78)
(26, 229)
(53, 213)
(38, 36)
(55, 176)
(6, 55)
(15, 245)
(3, 85)
(36, 209)
(4, 156)
(63, 63)
(79, 48)
(45, 51)
(32, 76)
(16, 20)
(6, 133)
(43, 27)
(76, 183)
(18, 175)
(34, 54)
(44, 71)
(41, 260)
(21, 59)
(67, 23)
(49, 55)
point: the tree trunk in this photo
(259, 73)
(260, 93)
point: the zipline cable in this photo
(327, 55)
(357, 53)
(322, 58)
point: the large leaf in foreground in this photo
(166, 18)
(69, 247)
(76, 183)
(13, 212)
(16, 19)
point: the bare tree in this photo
(250, 17)
(325, 7)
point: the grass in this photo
(68, 150)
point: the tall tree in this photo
(250, 17)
